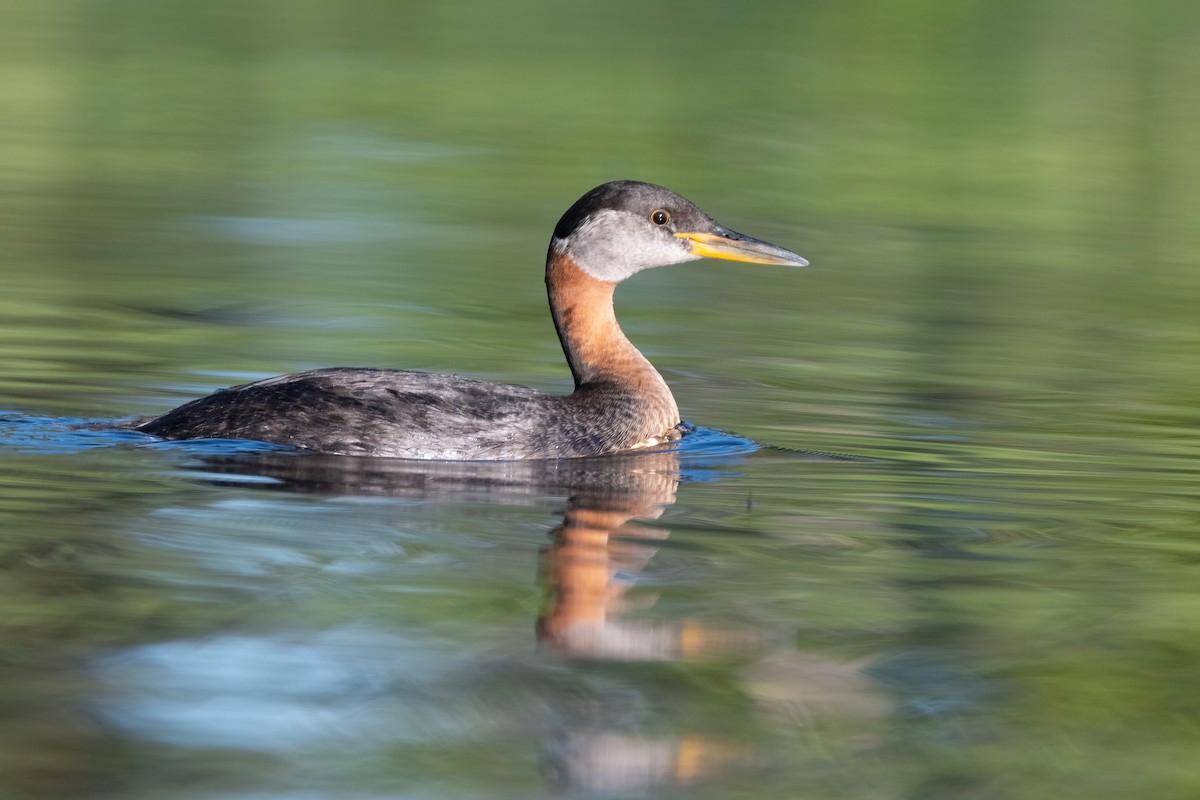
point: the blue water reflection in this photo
(280, 693)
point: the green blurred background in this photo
(995, 196)
(1000, 204)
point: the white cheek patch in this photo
(612, 245)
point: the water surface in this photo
(993, 596)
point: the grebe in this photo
(620, 401)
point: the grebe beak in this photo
(733, 246)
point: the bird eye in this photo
(660, 217)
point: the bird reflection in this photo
(594, 555)
(592, 559)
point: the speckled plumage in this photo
(404, 414)
(620, 401)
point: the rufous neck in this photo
(582, 305)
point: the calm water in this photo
(994, 596)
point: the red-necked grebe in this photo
(620, 401)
